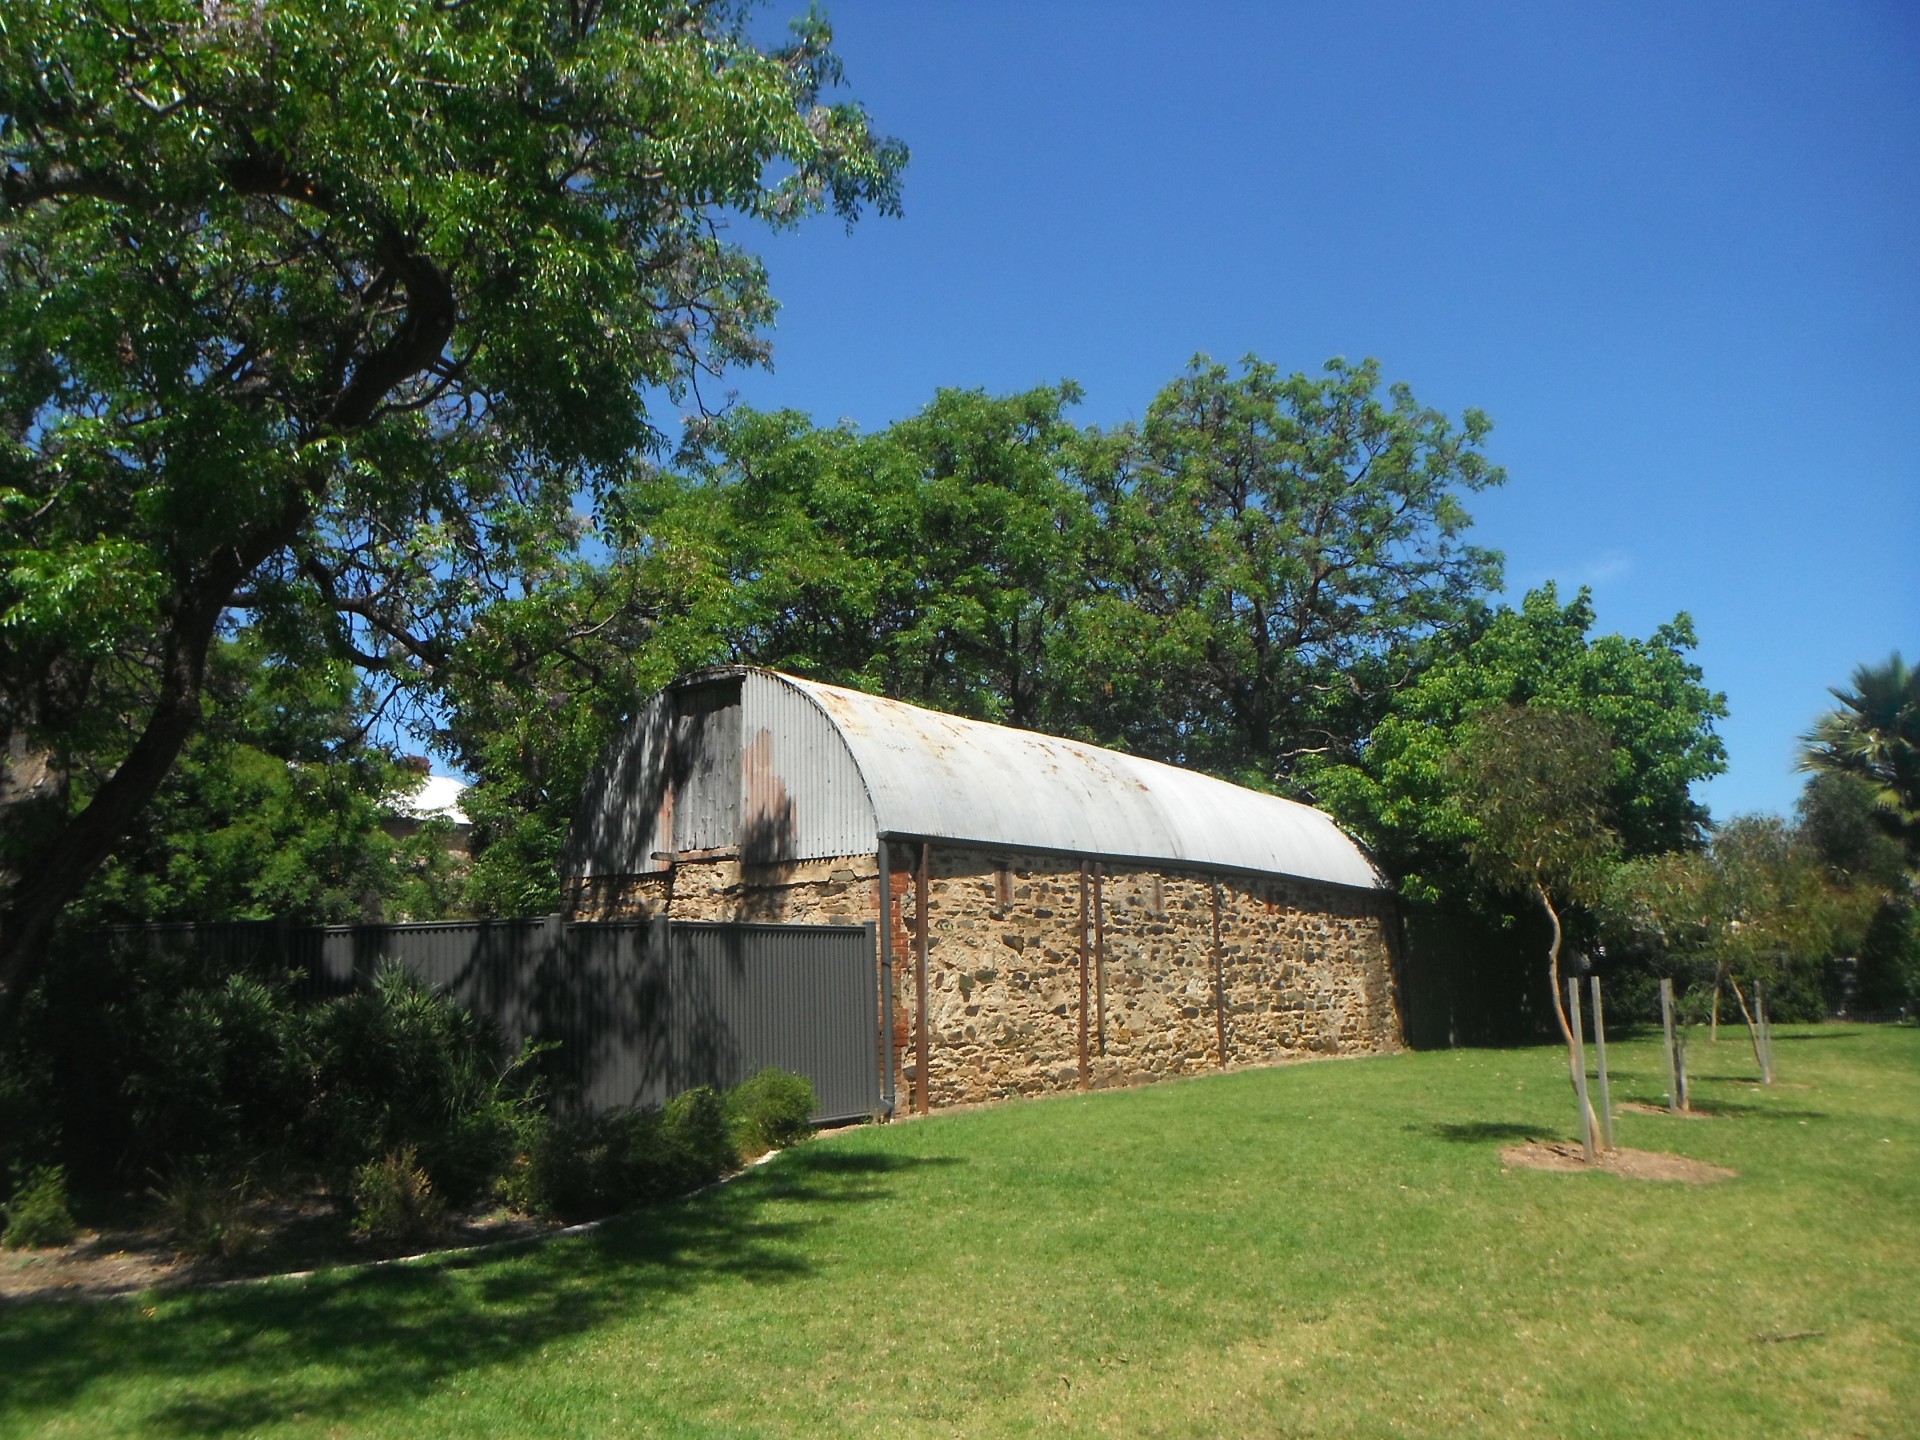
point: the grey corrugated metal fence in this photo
(641, 1010)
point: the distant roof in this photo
(939, 776)
(436, 797)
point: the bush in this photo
(209, 1216)
(590, 1165)
(223, 1080)
(393, 1199)
(770, 1111)
(37, 1215)
(401, 1067)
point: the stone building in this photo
(1049, 914)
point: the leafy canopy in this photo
(315, 316)
(1404, 799)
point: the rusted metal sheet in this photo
(803, 795)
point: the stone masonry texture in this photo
(1301, 969)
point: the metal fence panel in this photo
(639, 1010)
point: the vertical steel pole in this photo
(1084, 1071)
(1600, 1049)
(1577, 1062)
(1100, 957)
(886, 978)
(1667, 1053)
(922, 925)
(1219, 980)
(1765, 1033)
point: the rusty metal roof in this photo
(938, 777)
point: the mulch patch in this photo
(1628, 1164)
(293, 1236)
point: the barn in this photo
(1048, 915)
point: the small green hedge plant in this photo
(584, 1166)
(770, 1111)
(37, 1215)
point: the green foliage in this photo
(1875, 737)
(401, 1067)
(316, 318)
(220, 1080)
(1840, 817)
(1532, 783)
(277, 809)
(770, 1111)
(1244, 578)
(394, 1199)
(1888, 976)
(585, 1165)
(1279, 545)
(37, 1215)
(1402, 797)
(1757, 904)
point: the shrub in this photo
(394, 1199)
(37, 1215)
(591, 1165)
(402, 1067)
(770, 1111)
(209, 1216)
(222, 1081)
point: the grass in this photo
(1323, 1250)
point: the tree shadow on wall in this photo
(337, 1347)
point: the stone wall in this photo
(1300, 968)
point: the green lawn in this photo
(1327, 1249)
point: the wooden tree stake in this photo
(1600, 1058)
(1578, 1058)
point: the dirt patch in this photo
(1638, 1109)
(1630, 1164)
(293, 1238)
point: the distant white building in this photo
(432, 797)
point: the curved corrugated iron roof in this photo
(944, 778)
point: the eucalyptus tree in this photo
(315, 315)
(1532, 787)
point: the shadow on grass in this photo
(217, 1362)
(1478, 1132)
(1818, 1035)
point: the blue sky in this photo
(1674, 252)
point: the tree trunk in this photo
(54, 872)
(1553, 964)
(1574, 1076)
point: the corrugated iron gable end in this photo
(626, 807)
(804, 798)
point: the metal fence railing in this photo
(639, 1010)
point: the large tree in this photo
(314, 317)
(1279, 549)
(1401, 796)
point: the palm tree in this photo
(1875, 734)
